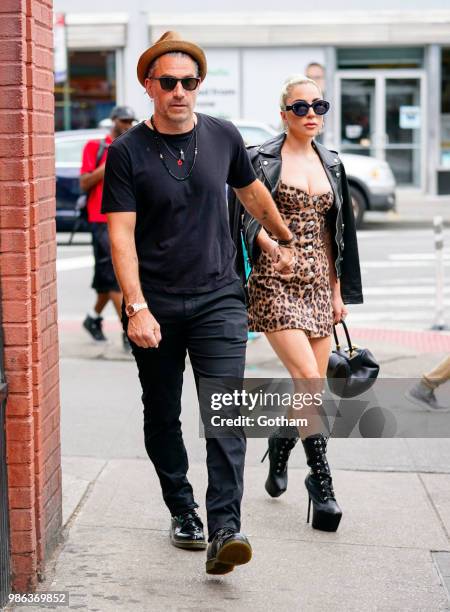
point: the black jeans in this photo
(212, 327)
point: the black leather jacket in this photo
(266, 160)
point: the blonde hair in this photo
(292, 81)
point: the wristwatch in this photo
(132, 309)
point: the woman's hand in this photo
(265, 243)
(283, 259)
(272, 249)
(339, 309)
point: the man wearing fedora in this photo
(174, 258)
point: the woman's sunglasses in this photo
(301, 108)
(169, 83)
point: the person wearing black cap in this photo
(91, 182)
(174, 258)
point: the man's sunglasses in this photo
(301, 108)
(169, 83)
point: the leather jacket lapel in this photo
(331, 163)
(269, 161)
(271, 169)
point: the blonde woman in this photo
(308, 183)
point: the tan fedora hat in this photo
(170, 41)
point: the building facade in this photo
(387, 71)
(30, 455)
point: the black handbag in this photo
(351, 370)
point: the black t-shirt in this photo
(182, 234)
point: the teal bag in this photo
(248, 269)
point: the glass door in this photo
(404, 130)
(381, 113)
(357, 116)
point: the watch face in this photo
(130, 310)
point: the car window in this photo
(254, 135)
(68, 151)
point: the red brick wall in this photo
(28, 284)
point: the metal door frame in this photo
(379, 77)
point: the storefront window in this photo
(445, 109)
(382, 58)
(90, 93)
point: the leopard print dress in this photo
(303, 300)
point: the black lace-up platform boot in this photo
(326, 512)
(281, 443)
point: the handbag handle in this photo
(351, 348)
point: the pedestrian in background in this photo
(91, 181)
(422, 393)
(297, 312)
(174, 258)
(316, 72)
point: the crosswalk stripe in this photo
(410, 291)
(400, 264)
(74, 263)
(405, 281)
(411, 315)
(412, 233)
(417, 256)
(387, 307)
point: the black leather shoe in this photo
(186, 531)
(227, 549)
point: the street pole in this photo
(66, 107)
(439, 321)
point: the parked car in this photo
(68, 151)
(371, 181)
(372, 184)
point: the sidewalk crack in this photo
(433, 505)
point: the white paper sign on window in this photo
(410, 117)
(219, 92)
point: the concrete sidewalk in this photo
(413, 205)
(413, 210)
(391, 552)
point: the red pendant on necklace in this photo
(179, 162)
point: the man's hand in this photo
(143, 329)
(285, 262)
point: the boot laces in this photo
(321, 471)
(282, 454)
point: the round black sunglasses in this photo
(301, 107)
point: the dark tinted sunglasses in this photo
(301, 108)
(169, 83)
